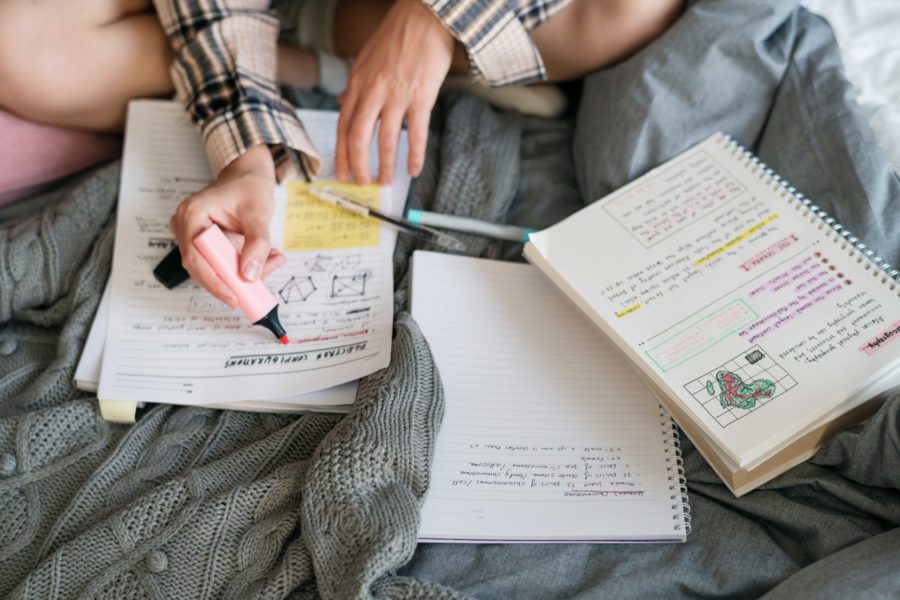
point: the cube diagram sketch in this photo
(319, 263)
(297, 289)
(352, 286)
(351, 261)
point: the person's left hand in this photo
(398, 74)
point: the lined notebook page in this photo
(182, 346)
(548, 435)
(87, 375)
(747, 309)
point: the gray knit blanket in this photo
(199, 503)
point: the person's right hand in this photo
(240, 201)
(397, 74)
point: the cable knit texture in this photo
(192, 502)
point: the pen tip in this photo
(285, 340)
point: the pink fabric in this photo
(33, 155)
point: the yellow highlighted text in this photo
(312, 224)
(628, 311)
(735, 241)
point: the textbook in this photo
(548, 434)
(182, 346)
(758, 321)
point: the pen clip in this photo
(422, 232)
(345, 203)
(444, 240)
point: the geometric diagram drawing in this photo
(297, 289)
(318, 263)
(734, 392)
(350, 261)
(740, 386)
(351, 286)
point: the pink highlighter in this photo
(254, 299)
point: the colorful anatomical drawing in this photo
(734, 393)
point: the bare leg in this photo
(582, 37)
(586, 35)
(297, 68)
(76, 64)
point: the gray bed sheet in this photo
(769, 74)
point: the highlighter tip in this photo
(284, 340)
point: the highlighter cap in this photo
(169, 271)
(254, 299)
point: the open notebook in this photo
(548, 434)
(182, 346)
(87, 377)
(762, 324)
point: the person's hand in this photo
(398, 74)
(240, 201)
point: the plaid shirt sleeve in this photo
(496, 36)
(224, 73)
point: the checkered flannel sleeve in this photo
(224, 73)
(496, 36)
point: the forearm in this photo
(225, 73)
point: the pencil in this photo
(420, 231)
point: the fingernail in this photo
(251, 270)
(280, 260)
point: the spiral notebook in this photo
(548, 435)
(759, 322)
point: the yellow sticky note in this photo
(311, 224)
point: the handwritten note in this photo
(311, 224)
(548, 434)
(184, 346)
(701, 335)
(856, 315)
(707, 257)
(653, 209)
(697, 254)
(884, 337)
(87, 378)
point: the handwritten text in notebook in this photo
(548, 434)
(183, 345)
(656, 208)
(731, 293)
(311, 224)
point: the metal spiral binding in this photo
(848, 242)
(681, 509)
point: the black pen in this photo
(420, 231)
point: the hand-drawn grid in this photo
(740, 386)
(297, 289)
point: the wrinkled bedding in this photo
(766, 72)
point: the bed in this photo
(203, 503)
